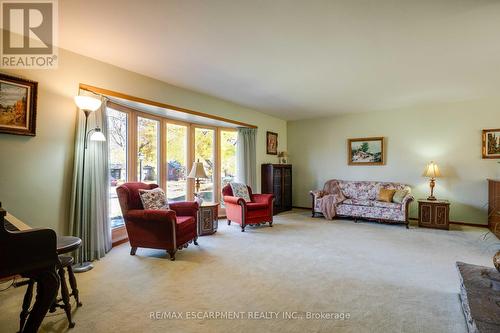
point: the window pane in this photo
(117, 159)
(228, 157)
(204, 139)
(147, 150)
(177, 162)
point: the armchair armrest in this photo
(234, 200)
(264, 198)
(185, 208)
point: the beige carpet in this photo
(386, 278)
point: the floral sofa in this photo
(361, 201)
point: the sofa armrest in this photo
(234, 200)
(317, 193)
(264, 198)
(406, 202)
(185, 208)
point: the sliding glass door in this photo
(148, 150)
(204, 151)
(177, 159)
(117, 161)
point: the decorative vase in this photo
(198, 199)
(496, 260)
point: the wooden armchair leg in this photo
(195, 241)
(133, 250)
(172, 254)
(228, 222)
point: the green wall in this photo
(449, 134)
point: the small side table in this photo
(434, 214)
(208, 218)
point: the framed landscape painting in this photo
(17, 105)
(366, 151)
(491, 143)
(272, 143)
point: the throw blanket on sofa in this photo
(330, 197)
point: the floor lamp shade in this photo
(88, 103)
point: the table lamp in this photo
(432, 171)
(197, 172)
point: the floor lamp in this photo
(88, 105)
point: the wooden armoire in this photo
(277, 180)
(494, 206)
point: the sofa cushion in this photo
(367, 190)
(357, 202)
(399, 196)
(385, 194)
(391, 205)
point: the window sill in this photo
(119, 235)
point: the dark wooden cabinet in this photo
(277, 180)
(434, 214)
(494, 206)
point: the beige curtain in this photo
(89, 205)
(246, 162)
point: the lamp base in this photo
(431, 198)
(82, 267)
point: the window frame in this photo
(132, 147)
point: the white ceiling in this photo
(299, 59)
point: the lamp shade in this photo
(88, 103)
(97, 135)
(197, 171)
(432, 170)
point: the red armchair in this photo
(260, 210)
(170, 230)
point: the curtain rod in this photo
(106, 92)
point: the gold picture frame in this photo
(272, 143)
(18, 105)
(491, 143)
(366, 151)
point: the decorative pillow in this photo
(385, 195)
(153, 199)
(399, 196)
(240, 191)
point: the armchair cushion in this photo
(240, 191)
(153, 199)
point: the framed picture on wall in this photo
(366, 151)
(491, 143)
(17, 105)
(272, 143)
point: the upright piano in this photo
(31, 254)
